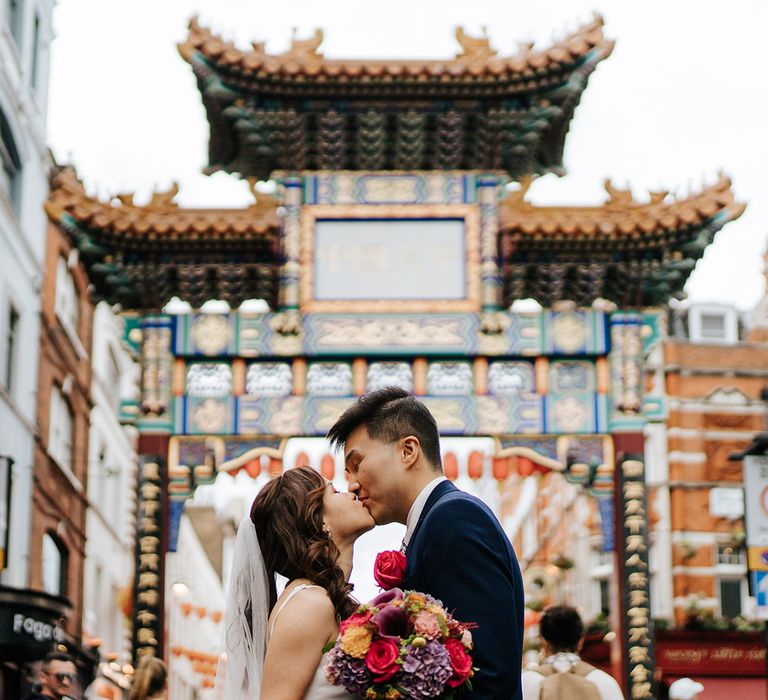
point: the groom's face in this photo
(376, 475)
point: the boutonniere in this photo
(389, 569)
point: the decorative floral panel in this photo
(269, 379)
(450, 379)
(382, 374)
(329, 379)
(506, 378)
(209, 379)
(571, 376)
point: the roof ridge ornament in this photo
(305, 51)
(475, 50)
(617, 197)
(162, 201)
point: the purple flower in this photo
(386, 597)
(348, 672)
(425, 671)
(392, 621)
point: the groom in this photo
(455, 548)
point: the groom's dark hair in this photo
(390, 414)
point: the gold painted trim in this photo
(310, 213)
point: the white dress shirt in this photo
(416, 509)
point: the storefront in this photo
(31, 626)
(728, 664)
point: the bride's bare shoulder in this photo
(309, 602)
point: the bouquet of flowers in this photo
(402, 645)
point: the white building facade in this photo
(25, 37)
(110, 520)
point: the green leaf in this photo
(329, 645)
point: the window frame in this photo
(12, 333)
(63, 563)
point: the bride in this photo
(301, 528)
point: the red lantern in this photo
(253, 468)
(500, 468)
(475, 464)
(302, 460)
(451, 466)
(328, 467)
(525, 466)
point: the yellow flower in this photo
(393, 694)
(355, 641)
(371, 694)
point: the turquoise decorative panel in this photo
(522, 335)
(455, 415)
(390, 334)
(497, 415)
(571, 376)
(577, 332)
(253, 333)
(574, 412)
(210, 335)
(205, 415)
(389, 188)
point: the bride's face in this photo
(344, 515)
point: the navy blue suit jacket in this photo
(459, 554)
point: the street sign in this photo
(756, 495)
(760, 587)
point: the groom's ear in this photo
(410, 449)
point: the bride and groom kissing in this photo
(301, 528)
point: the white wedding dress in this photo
(319, 689)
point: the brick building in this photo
(59, 504)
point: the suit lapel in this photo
(443, 488)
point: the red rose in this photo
(356, 619)
(389, 569)
(381, 658)
(461, 662)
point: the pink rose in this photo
(381, 659)
(389, 569)
(427, 625)
(461, 662)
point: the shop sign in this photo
(26, 633)
(756, 493)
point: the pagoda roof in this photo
(631, 252)
(141, 256)
(300, 111)
(476, 62)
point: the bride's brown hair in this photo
(288, 517)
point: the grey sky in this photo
(682, 96)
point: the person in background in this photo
(150, 680)
(57, 676)
(563, 674)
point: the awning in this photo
(728, 688)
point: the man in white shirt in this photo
(561, 631)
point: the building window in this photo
(10, 173)
(11, 345)
(729, 555)
(67, 302)
(54, 566)
(713, 324)
(730, 597)
(15, 15)
(61, 429)
(34, 72)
